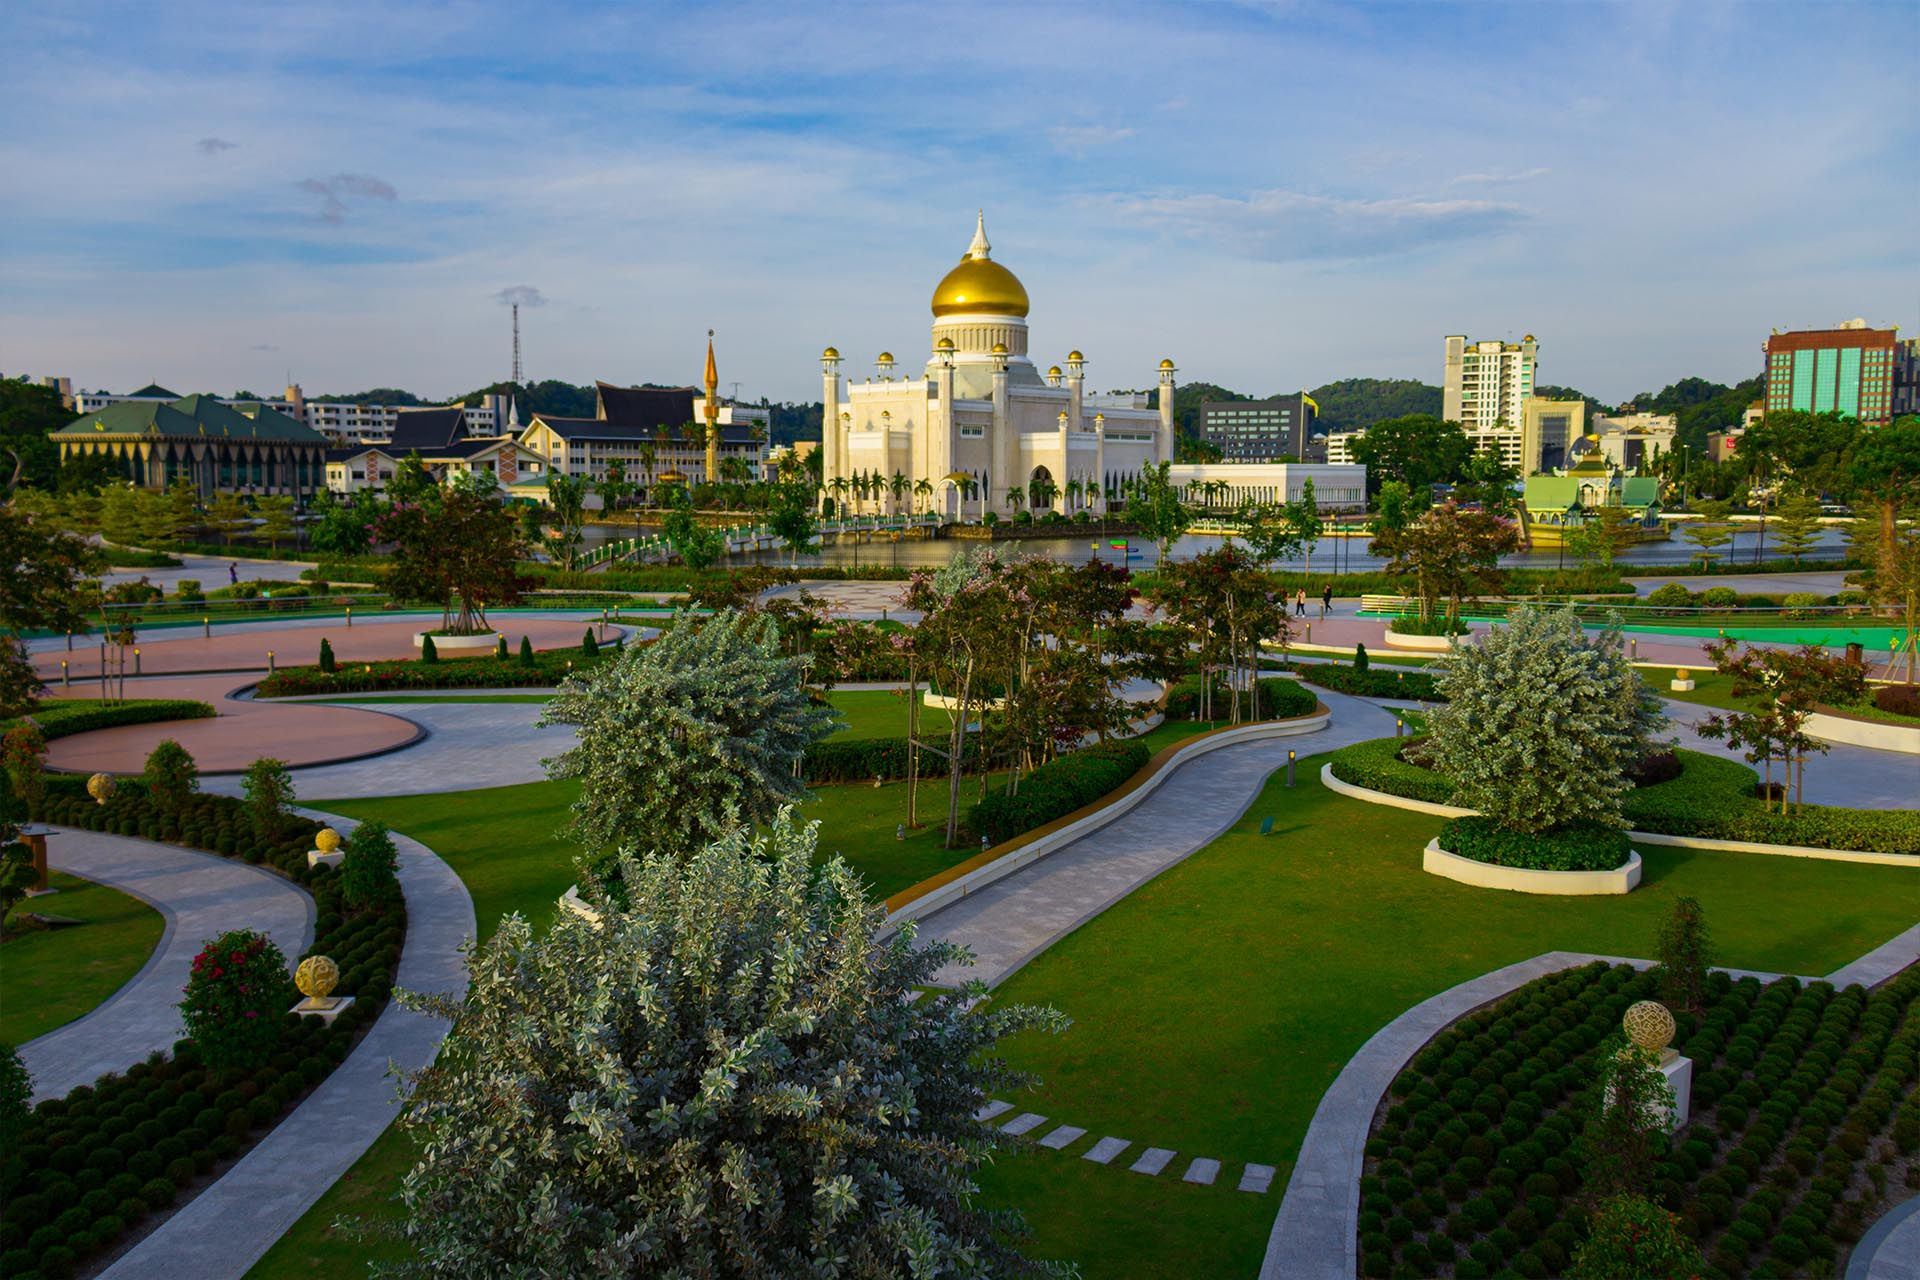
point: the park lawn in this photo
(882, 713)
(1711, 689)
(50, 977)
(1213, 1007)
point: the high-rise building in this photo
(1487, 383)
(1906, 378)
(1848, 370)
(1274, 430)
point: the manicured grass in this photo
(882, 713)
(50, 977)
(1213, 1006)
(1711, 689)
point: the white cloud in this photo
(1278, 225)
(1497, 177)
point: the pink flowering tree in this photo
(236, 995)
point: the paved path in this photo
(469, 745)
(1013, 920)
(1891, 1248)
(1315, 1235)
(198, 896)
(224, 1231)
(210, 572)
(294, 642)
(1854, 777)
(1827, 583)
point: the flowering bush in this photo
(236, 996)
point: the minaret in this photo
(831, 443)
(1164, 446)
(713, 414)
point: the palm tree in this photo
(899, 486)
(923, 492)
(1074, 489)
(1016, 496)
(839, 485)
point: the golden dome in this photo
(1166, 364)
(1054, 371)
(886, 357)
(1074, 357)
(945, 344)
(831, 353)
(999, 348)
(979, 284)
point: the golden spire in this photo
(713, 414)
(713, 370)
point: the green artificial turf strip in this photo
(50, 977)
(1214, 1006)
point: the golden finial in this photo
(316, 978)
(101, 787)
(326, 840)
(1650, 1026)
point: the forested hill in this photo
(1352, 403)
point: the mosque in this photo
(981, 421)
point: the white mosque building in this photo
(981, 422)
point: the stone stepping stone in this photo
(1152, 1162)
(1103, 1151)
(991, 1110)
(1062, 1137)
(1023, 1123)
(1257, 1178)
(1202, 1171)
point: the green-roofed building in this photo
(214, 446)
(1560, 503)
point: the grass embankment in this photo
(1214, 1006)
(1711, 689)
(49, 977)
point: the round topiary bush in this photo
(237, 991)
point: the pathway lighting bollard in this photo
(349, 615)
(206, 628)
(900, 831)
(69, 642)
(136, 662)
(66, 679)
(1309, 633)
(983, 844)
(1399, 726)
(1289, 768)
(270, 667)
(1633, 648)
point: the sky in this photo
(1275, 195)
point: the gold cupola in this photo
(979, 285)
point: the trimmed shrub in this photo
(1586, 846)
(171, 776)
(588, 645)
(429, 652)
(369, 871)
(500, 650)
(1670, 596)
(1359, 657)
(526, 651)
(1056, 789)
(1898, 699)
(1279, 700)
(326, 663)
(59, 717)
(237, 992)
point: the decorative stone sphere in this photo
(101, 787)
(326, 840)
(316, 977)
(1649, 1025)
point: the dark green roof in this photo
(190, 418)
(154, 391)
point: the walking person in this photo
(233, 573)
(1326, 600)
(1300, 603)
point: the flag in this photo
(1118, 544)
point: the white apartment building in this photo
(1487, 383)
(1629, 440)
(343, 424)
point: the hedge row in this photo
(217, 824)
(548, 668)
(1056, 789)
(1371, 683)
(1580, 847)
(87, 1169)
(839, 759)
(59, 717)
(1712, 798)
(1476, 1167)
(1279, 700)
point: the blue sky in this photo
(1273, 194)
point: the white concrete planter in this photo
(1485, 875)
(1881, 735)
(1425, 644)
(459, 644)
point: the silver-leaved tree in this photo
(722, 1074)
(1542, 722)
(687, 738)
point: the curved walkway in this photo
(198, 896)
(223, 1231)
(1891, 1249)
(1014, 919)
(1315, 1236)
